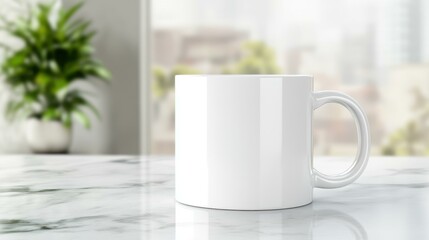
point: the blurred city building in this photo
(209, 50)
(373, 50)
(206, 49)
(402, 32)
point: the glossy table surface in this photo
(125, 197)
(70, 197)
(389, 201)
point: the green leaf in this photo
(51, 114)
(72, 26)
(160, 85)
(16, 59)
(80, 27)
(59, 84)
(67, 120)
(53, 66)
(30, 96)
(45, 28)
(65, 16)
(42, 80)
(82, 118)
(91, 107)
(102, 73)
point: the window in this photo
(373, 50)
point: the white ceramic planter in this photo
(47, 136)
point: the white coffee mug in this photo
(244, 142)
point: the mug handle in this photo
(350, 175)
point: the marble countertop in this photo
(70, 197)
(125, 197)
(389, 201)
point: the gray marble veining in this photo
(66, 197)
(76, 197)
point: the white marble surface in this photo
(390, 201)
(70, 197)
(76, 197)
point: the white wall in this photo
(117, 45)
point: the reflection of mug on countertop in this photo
(296, 223)
(244, 142)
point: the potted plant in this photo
(42, 72)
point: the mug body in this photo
(244, 142)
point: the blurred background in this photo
(377, 51)
(374, 50)
(116, 45)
